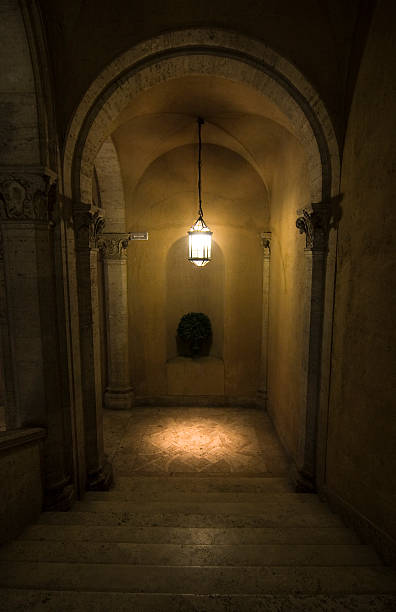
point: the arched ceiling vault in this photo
(283, 92)
(143, 139)
(165, 118)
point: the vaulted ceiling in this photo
(323, 39)
(165, 118)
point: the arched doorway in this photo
(311, 164)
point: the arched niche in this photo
(190, 289)
(163, 285)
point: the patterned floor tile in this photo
(193, 441)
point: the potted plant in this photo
(194, 335)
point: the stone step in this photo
(197, 580)
(284, 517)
(287, 502)
(16, 600)
(166, 485)
(176, 497)
(191, 535)
(182, 554)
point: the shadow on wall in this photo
(193, 289)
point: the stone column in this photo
(314, 224)
(262, 394)
(88, 223)
(119, 394)
(30, 339)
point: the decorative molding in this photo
(315, 225)
(265, 238)
(88, 223)
(113, 246)
(28, 196)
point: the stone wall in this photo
(287, 367)
(18, 108)
(361, 458)
(20, 480)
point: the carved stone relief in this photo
(113, 246)
(266, 243)
(315, 225)
(30, 197)
(88, 225)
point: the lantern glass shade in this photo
(200, 243)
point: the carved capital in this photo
(30, 196)
(265, 239)
(113, 246)
(88, 224)
(315, 225)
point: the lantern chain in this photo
(200, 122)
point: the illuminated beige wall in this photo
(286, 375)
(159, 171)
(163, 285)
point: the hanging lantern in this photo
(199, 235)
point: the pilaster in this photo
(315, 225)
(119, 393)
(88, 225)
(262, 394)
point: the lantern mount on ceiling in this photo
(199, 235)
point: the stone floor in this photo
(193, 441)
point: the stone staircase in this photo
(203, 544)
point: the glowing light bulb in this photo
(199, 243)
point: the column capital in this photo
(113, 245)
(88, 224)
(27, 194)
(265, 240)
(314, 224)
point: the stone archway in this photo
(237, 58)
(200, 51)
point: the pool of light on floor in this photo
(193, 440)
(206, 437)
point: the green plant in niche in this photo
(194, 335)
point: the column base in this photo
(101, 479)
(261, 398)
(59, 498)
(118, 399)
(301, 481)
